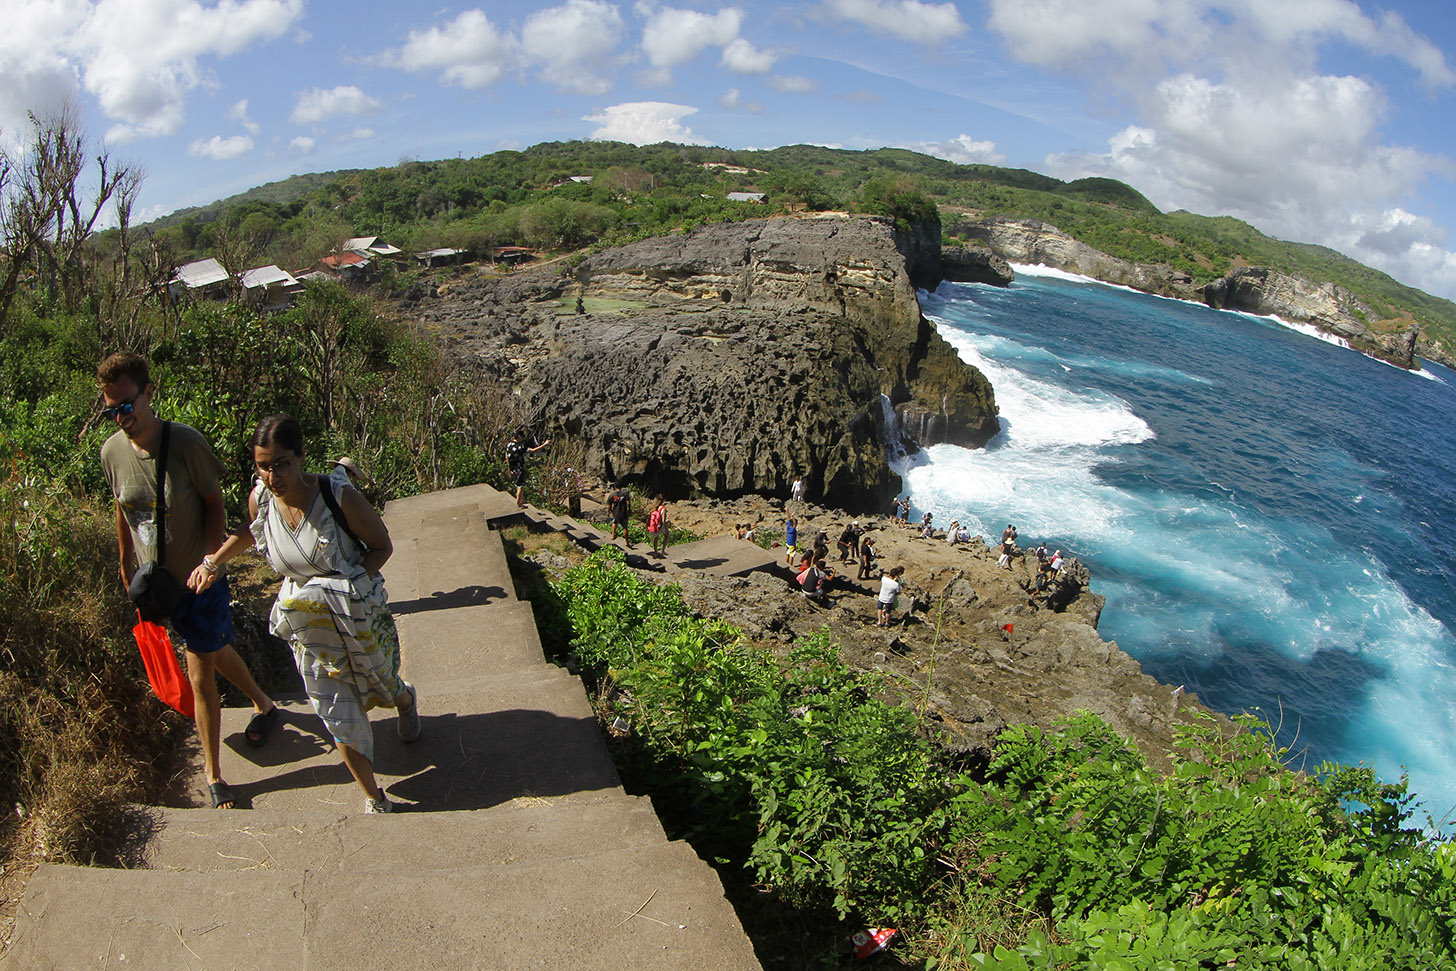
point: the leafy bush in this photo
(1068, 852)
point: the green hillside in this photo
(529, 198)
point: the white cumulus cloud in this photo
(468, 51)
(672, 37)
(644, 123)
(221, 149)
(1307, 164)
(1077, 35)
(317, 104)
(925, 23)
(575, 44)
(302, 145)
(962, 149)
(239, 113)
(742, 57)
(138, 58)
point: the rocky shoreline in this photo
(950, 651)
(1331, 309)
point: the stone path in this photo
(519, 848)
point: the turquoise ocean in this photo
(1269, 515)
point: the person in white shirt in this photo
(889, 590)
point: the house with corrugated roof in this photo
(349, 267)
(270, 287)
(370, 246)
(200, 278)
(444, 256)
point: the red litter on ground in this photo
(1007, 627)
(872, 941)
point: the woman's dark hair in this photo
(279, 431)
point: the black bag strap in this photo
(161, 513)
(326, 489)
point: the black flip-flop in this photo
(260, 726)
(221, 792)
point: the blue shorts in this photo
(204, 620)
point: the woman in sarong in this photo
(331, 608)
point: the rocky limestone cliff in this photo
(962, 264)
(728, 360)
(1257, 290)
(1033, 241)
(1331, 308)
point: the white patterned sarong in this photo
(333, 614)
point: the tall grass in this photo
(80, 731)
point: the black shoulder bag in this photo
(153, 590)
(326, 489)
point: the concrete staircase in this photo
(518, 849)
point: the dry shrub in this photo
(80, 733)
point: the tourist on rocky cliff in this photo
(657, 526)
(796, 491)
(902, 510)
(813, 580)
(619, 507)
(750, 533)
(1008, 549)
(571, 483)
(328, 544)
(926, 529)
(791, 539)
(193, 521)
(866, 555)
(848, 540)
(889, 591)
(521, 445)
(1008, 533)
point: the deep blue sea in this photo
(1269, 515)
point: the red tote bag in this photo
(163, 670)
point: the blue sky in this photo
(1323, 121)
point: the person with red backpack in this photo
(657, 526)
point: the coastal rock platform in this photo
(949, 649)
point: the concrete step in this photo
(524, 830)
(71, 918)
(482, 498)
(722, 556)
(500, 737)
(440, 647)
(450, 560)
(638, 908)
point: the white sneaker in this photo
(380, 805)
(408, 723)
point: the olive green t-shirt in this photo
(193, 471)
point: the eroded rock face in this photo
(728, 360)
(1033, 241)
(1331, 308)
(960, 264)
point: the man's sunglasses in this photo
(122, 408)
